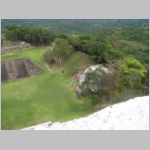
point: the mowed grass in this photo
(76, 62)
(35, 54)
(37, 99)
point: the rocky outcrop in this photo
(130, 115)
(19, 68)
(81, 75)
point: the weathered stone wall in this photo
(13, 46)
(19, 68)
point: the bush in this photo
(99, 86)
(130, 73)
(132, 65)
(61, 50)
(49, 57)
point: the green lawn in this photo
(37, 99)
(36, 54)
(76, 62)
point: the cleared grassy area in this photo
(35, 54)
(77, 62)
(37, 99)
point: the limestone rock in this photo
(129, 115)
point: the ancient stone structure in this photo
(19, 68)
(13, 46)
(129, 115)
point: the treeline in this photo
(103, 47)
(112, 44)
(35, 35)
(78, 25)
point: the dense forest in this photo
(121, 45)
(77, 25)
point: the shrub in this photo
(131, 72)
(99, 86)
(131, 65)
(49, 57)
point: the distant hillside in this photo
(78, 25)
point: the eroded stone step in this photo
(19, 68)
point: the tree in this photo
(49, 57)
(34, 35)
(131, 64)
(11, 32)
(61, 49)
(131, 73)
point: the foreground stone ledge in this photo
(130, 115)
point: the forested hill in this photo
(78, 25)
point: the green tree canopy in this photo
(35, 35)
(61, 49)
(130, 64)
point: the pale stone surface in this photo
(130, 115)
(82, 74)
